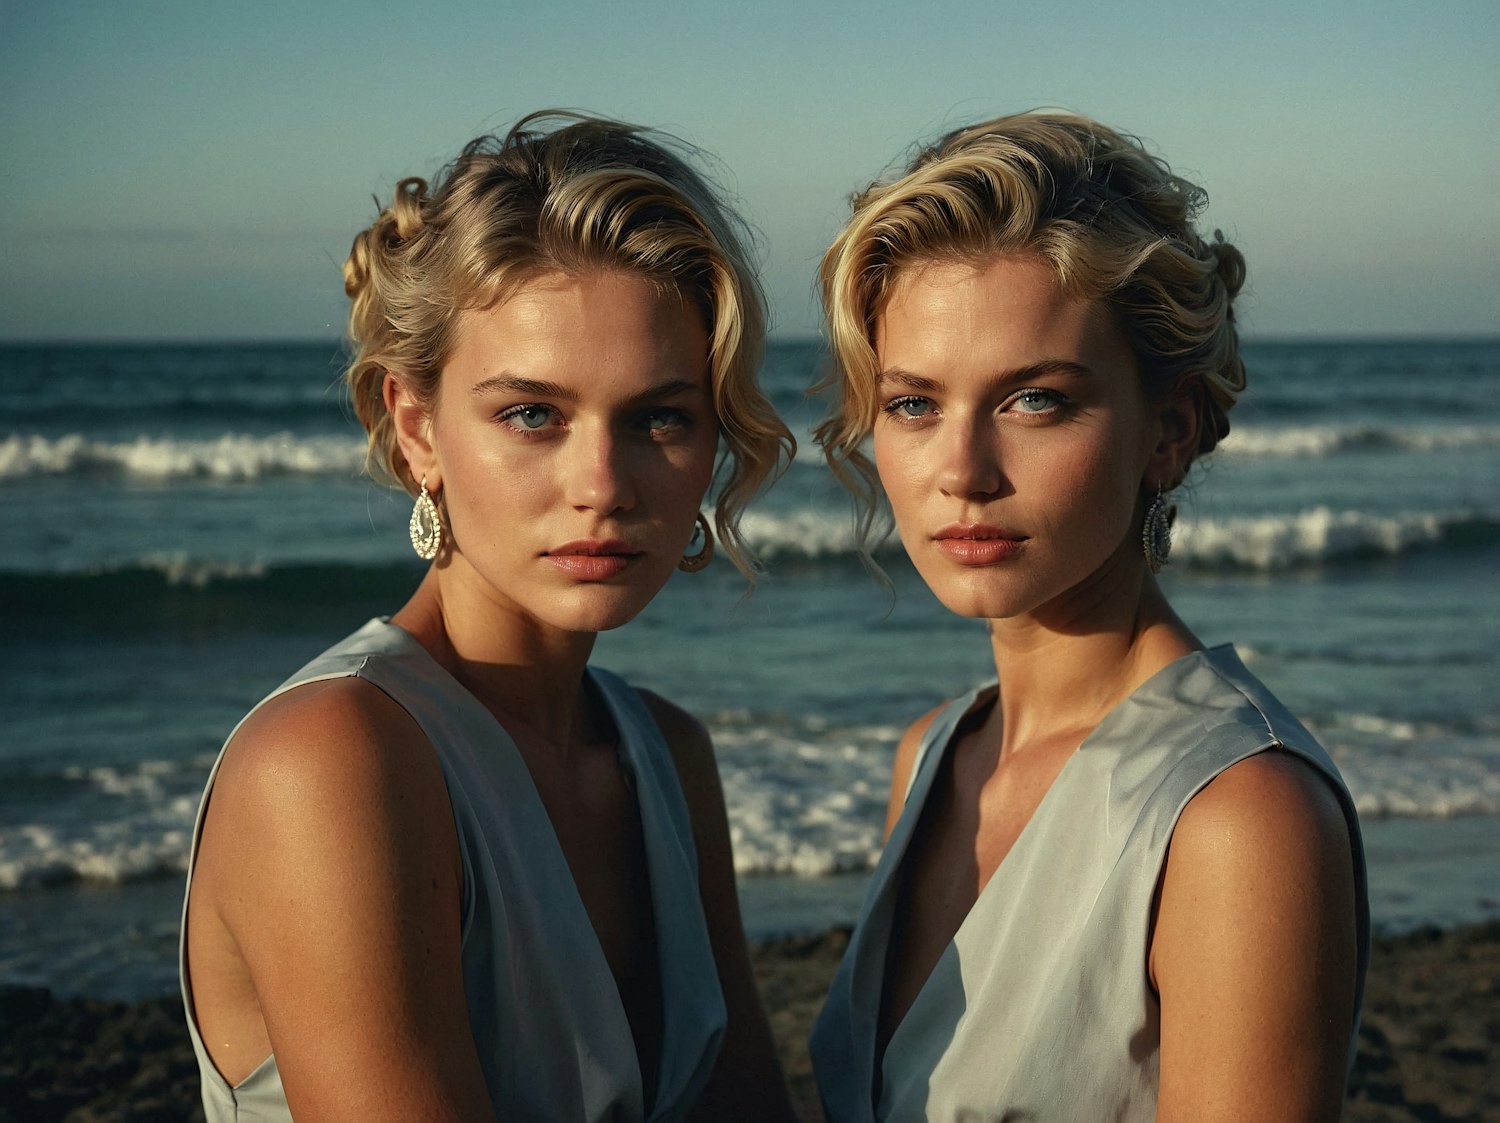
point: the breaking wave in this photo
(230, 458)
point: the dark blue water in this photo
(186, 525)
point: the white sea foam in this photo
(144, 781)
(230, 458)
(139, 829)
(1328, 440)
(1270, 543)
(1267, 542)
(133, 848)
(1390, 786)
(806, 798)
(1409, 768)
(199, 573)
(1310, 537)
(179, 569)
(805, 533)
(32, 856)
(240, 457)
(805, 801)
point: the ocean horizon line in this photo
(1298, 339)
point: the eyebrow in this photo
(514, 384)
(540, 388)
(920, 383)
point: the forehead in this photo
(583, 326)
(1008, 310)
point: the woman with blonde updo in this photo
(1121, 882)
(448, 870)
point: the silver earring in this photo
(426, 526)
(692, 563)
(1156, 531)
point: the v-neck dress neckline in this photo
(935, 751)
(548, 1019)
(662, 860)
(1040, 1002)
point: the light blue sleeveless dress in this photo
(1041, 1007)
(551, 1031)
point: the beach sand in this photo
(1429, 1048)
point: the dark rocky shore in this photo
(1429, 1049)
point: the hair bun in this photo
(393, 228)
(357, 265)
(405, 210)
(1230, 263)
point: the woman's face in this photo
(1012, 436)
(573, 439)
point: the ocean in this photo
(187, 525)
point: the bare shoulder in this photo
(329, 858)
(334, 738)
(333, 709)
(1264, 843)
(906, 755)
(1271, 806)
(1256, 914)
(315, 767)
(675, 723)
(692, 748)
(911, 740)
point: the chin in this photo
(984, 594)
(600, 608)
(977, 605)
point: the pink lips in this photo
(976, 544)
(593, 559)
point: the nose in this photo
(969, 464)
(598, 474)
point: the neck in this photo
(525, 672)
(1062, 669)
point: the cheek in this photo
(672, 482)
(488, 507)
(484, 479)
(1103, 484)
(697, 460)
(701, 467)
(901, 468)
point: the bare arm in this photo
(330, 859)
(906, 756)
(1254, 949)
(748, 1075)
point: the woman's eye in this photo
(664, 420)
(910, 407)
(1037, 401)
(528, 416)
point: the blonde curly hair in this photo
(560, 192)
(1110, 218)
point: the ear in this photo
(412, 422)
(1178, 419)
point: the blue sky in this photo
(179, 170)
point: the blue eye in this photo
(910, 407)
(1037, 401)
(529, 417)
